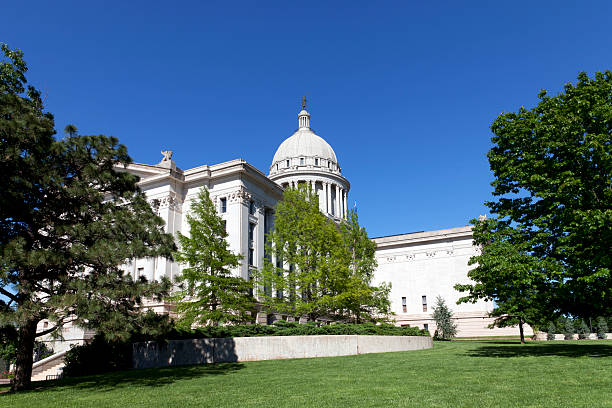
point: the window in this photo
(252, 207)
(251, 257)
(302, 161)
(251, 233)
(223, 205)
(426, 326)
(287, 163)
(250, 278)
(316, 162)
(424, 303)
(404, 304)
(139, 272)
(276, 166)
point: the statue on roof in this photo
(167, 155)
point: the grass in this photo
(452, 374)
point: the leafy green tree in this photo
(507, 274)
(68, 220)
(602, 328)
(446, 329)
(209, 292)
(308, 274)
(359, 298)
(553, 169)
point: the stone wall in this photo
(203, 351)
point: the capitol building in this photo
(419, 266)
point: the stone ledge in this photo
(205, 351)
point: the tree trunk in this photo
(25, 354)
(521, 330)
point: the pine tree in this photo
(602, 328)
(68, 221)
(550, 335)
(568, 331)
(209, 292)
(446, 329)
(583, 330)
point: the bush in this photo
(550, 335)
(99, 356)
(583, 330)
(602, 328)
(568, 332)
(282, 328)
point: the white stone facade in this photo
(244, 198)
(420, 266)
(424, 265)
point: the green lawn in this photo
(455, 374)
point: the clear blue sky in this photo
(403, 91)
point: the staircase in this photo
(48, 368)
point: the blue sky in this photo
(403, 91)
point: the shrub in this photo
(602, 328)
(99, 356)
(583, 330)
(445, 328)
(550, 335)
(568, 331)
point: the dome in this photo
(304, 143)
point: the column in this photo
(345, 195)
(337, 200)
(327, 200)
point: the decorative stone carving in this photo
(240, 195)
(167, 155)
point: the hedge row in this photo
(282, 328)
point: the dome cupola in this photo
(306, 158)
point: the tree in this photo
(568, 329)
(68, 221)
(446, 329)
(321, 269)
(306, 276)
(583, 330)
(550, 335)
(507, 274)
(553, 170)
(210, 294)
(359, 298)
(602, 328)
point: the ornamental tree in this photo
(507, 274)
(553, 187)
(306, 276)
(446, 329)
(68, 220)
(210, 293)
(320, 269)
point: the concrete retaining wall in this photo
(203, 351)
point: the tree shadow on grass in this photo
(540, 349)
(152, 377)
